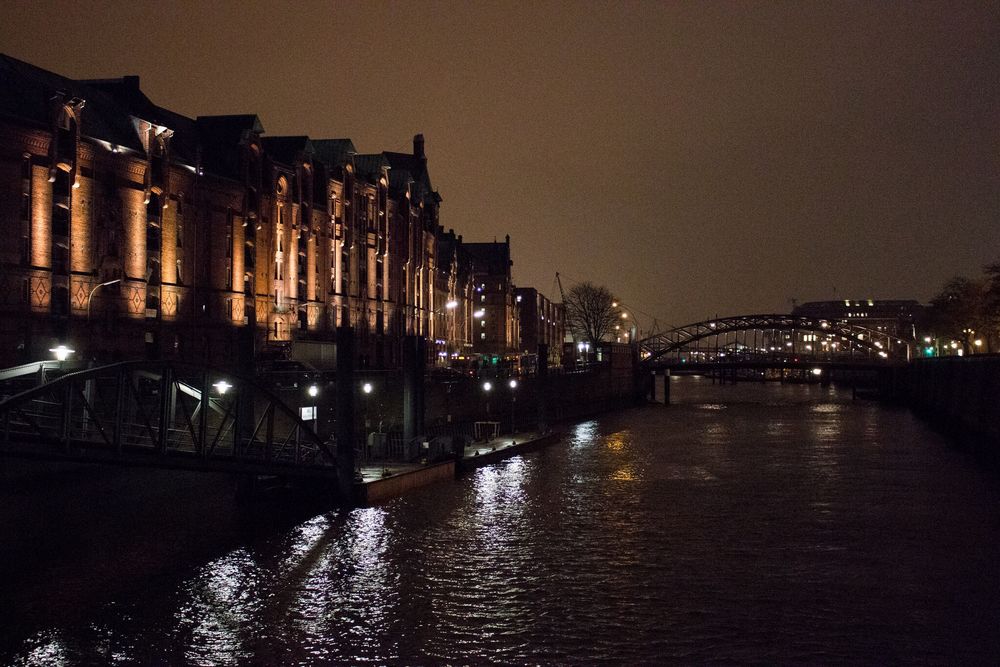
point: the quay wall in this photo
(536, 401)
(397, 485)
(961, 394)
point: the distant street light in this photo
(367, 387)
(222, 387)
(313, 390)
(451, 305)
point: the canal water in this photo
(744, 524)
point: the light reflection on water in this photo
(786, 525)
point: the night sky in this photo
(697, 158)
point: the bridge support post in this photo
(824, 378)
(345, 410)
(666, 387)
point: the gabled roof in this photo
(221, 137)
(127, 93)
(410, 169)
(334, 152)
(370, 164)
(288, 150)
(26, 93)
(229, 129)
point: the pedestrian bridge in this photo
(771, 340)
(161, 414)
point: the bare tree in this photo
(590, 313)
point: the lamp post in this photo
(450, 306)
(487, 388)
(313, 391)
(366, 391)
(513, 402)
(97, 287)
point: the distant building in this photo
(893, 317)
(542, 322)
(454, 288)
(495, 322)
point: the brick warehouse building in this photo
(129, 230)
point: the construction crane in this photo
(562, 294)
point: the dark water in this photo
(771, 524)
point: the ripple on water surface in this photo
(743, 524)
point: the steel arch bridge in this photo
(773, 334)
(163, 414)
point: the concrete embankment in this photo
(380, 489)
(960, 394)
(377, 486)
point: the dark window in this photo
(26, 211)
(60, 300)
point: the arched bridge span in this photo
(769, 334)
(162, 414)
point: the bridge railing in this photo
(772, 333)
(164, 413)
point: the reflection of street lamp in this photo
(97, 287)
(513, 401)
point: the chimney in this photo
(418, 146)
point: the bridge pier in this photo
(666, 387)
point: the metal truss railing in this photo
(162, 414)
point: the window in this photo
(26, 210)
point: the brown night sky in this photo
(698, 158)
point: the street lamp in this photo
(97, 287)
(313, 391)
(222, 387)
(62, 352)
(513, 402)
